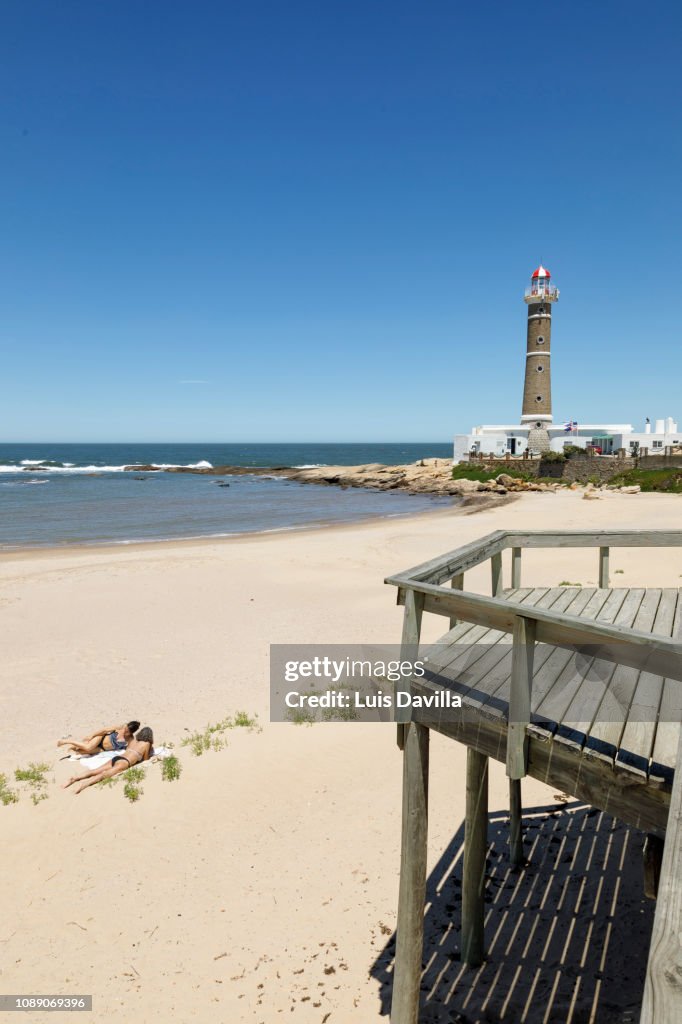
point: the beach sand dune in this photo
(263, 884)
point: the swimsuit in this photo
(119, 757)
(116, 743)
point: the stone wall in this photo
(581, 468)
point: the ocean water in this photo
(62, 494)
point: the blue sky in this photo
(328, 212)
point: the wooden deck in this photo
(578, 687)
(617, 725)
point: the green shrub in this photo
(7, 796)
(552, 457)
(573, 450)
(667, 480)
(34, 775)
(171, 769)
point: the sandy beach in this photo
(262, 885)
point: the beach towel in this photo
(104, 756)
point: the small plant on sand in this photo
(132, 789)
(111, 781)
(242, 720)
(171, 769)
(34, 776)
(567, 583)
(212, 737)
(301, 716)
(7, 796)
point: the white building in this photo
(537, 433)
(605, 438)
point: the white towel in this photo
(104, 756)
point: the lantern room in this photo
(541, 289)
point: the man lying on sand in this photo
(114, 737)
(139, 749)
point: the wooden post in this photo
(515, 832)
(457, 583)
(516, 568)
(475, 849)
(652, 857)
(662, 1000)
(410, 928)
(519, 696)
(604, 568)
(496, 573)
(409, 649)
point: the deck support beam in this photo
(604, 568)
(457, 583)
(515, 821)
(410, 928)
(409, 649)
(516, 568)
(475, 849)
(523, 652)
(496, 574)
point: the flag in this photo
(570, 426)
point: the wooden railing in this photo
(421, 590)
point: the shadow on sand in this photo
(567, 936)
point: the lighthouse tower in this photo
(537, 390)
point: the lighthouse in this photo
(536, 413)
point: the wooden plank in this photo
(552, 661)
(412, 890)
(594, 538)
(662, 1001)
(636, 745)
(516, 568)
(604, 567)
(437, 570)
(475, 849)
(591, 675)
(478, 678)
(489, 692)
(550, 710)
(607, 726)
(654, 654)
(669, 718)
(523, 654)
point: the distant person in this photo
(139, 749)
(114, 737)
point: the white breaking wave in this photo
(312, 465)
(38, 466)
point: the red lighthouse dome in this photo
(541, 272)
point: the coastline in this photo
(273, 860)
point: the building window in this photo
(538, 398)
(657, 444)
(540, 340)
(539, 368)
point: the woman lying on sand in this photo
(139, 749)
(114, 737)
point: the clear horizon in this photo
(248, 220)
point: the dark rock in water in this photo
(142, 469)
(223, 485)
(140, 478)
